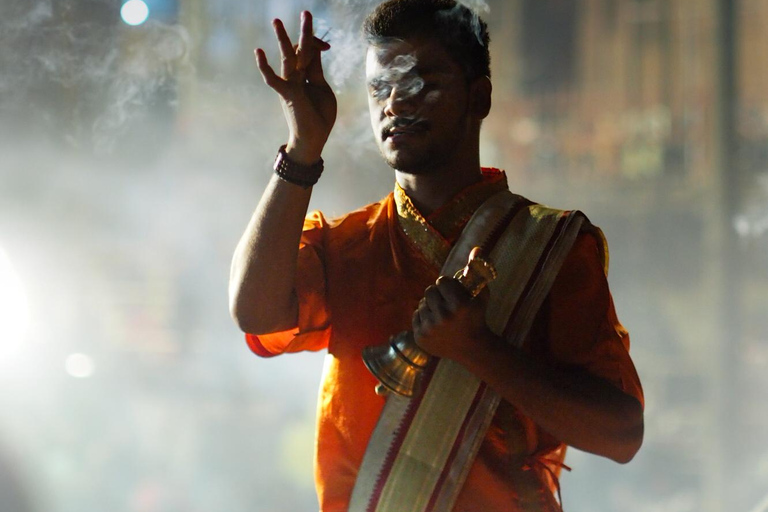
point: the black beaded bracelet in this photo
(302, 175)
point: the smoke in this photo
(345, 60)
(146, 77)
(83, 77)
(399, 73)
(476, 7)
(352, 137)
(347, 56)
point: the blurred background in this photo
(136, 138)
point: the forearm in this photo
(262, 277)
(262, 295)
(580, 409)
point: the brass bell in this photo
(400, 363)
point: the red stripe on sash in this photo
(455, 449)
(558, 231)
(399, 437)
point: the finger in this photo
(307, 49)
(267, 73)
(435, 303)
(322, 44)
(287, 53)
(416, 323)
(315, 73)
(421, 322)
(433, 299)
(453, 292)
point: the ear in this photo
(480, 96)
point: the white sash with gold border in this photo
(422, 447)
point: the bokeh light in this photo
(134, 12)
(80, 366)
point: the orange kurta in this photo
(360, 277)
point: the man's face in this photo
(418, 100)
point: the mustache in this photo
(404, 122)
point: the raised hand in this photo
(308, 101)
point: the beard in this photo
(428, 156)
(421, 162)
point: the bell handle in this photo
(478, 272)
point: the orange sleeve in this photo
(313, 329)
(583, 328)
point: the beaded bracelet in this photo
(302, 175)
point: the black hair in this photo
(458, 29)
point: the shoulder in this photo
(590, 246)
(364, 216)
(353, 225)
(585, 268)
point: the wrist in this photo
(302, 155)
(485, 346)
(297, 173)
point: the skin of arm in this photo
(261, 281)
(262, 296)
(582, 410)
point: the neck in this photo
(433, 189)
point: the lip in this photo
(402, 132)
(395, 134)
(402, 138)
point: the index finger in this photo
(452, 290)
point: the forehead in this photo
(421, 55)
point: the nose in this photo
(400, 102)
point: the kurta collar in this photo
(436, 233)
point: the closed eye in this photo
(379, 89)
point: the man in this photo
(352, 282)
